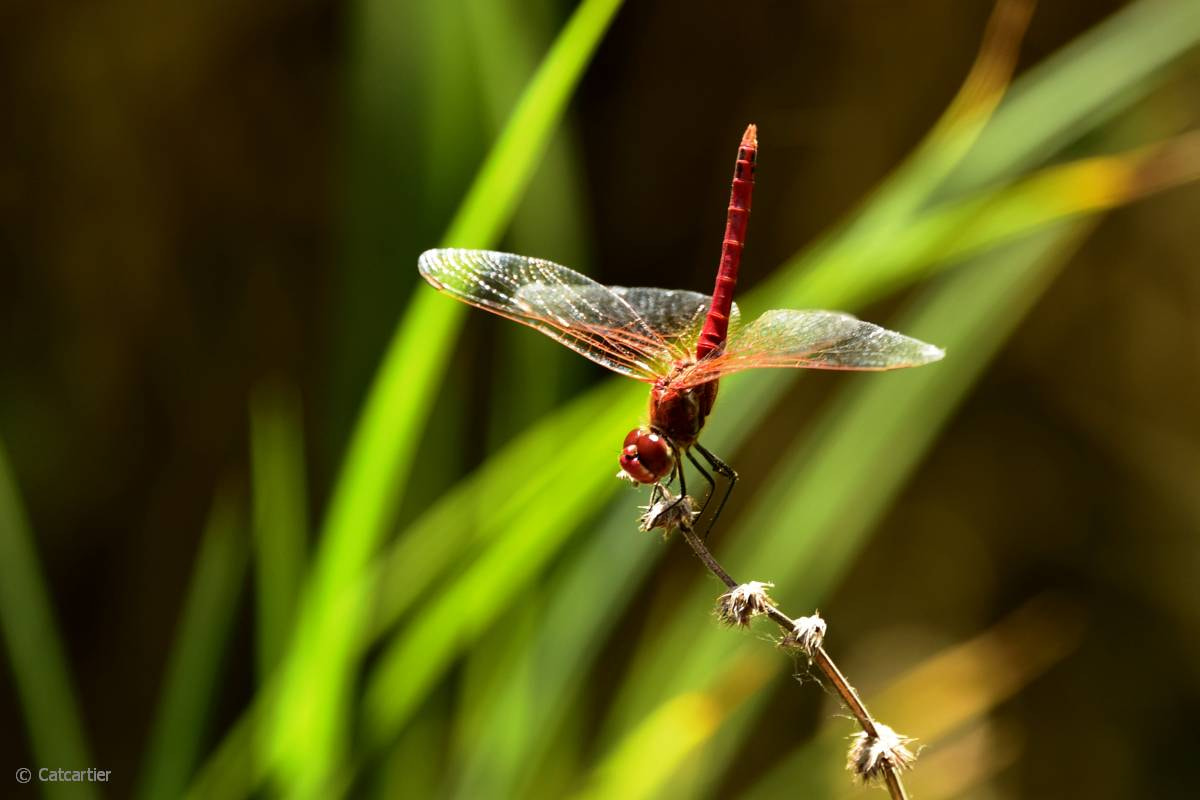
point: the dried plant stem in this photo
(819, 657)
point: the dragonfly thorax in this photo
(679, 414)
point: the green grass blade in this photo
(309, 736)
(522, 537)
(1052, 104)
(280, 515)
(1082, 86)
(237, 768)
(645, 762)
(487, 504)
(585, 597)
(498, 187)
(56, 733)
(413, 766)
(952, 231)
(531, 374)
(902, 193)
(502, 669)
(208, 618)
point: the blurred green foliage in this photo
(465, 646)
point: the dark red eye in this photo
(646, 456)
(655, 454)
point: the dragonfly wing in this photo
(586, 316)
(817, 340)
(677, 314)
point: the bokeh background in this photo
(210, 215)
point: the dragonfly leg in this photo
(670, 477)
(661, 488)
(726, 472)
(678, 470)
(712, 485)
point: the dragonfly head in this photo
(646, 457)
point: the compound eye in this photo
(654, 454)
(646, 456)
(635, 434)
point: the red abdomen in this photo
(716, 324)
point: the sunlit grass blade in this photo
(950, 232)
(236, 768)
(35, 651)
(646, 761)
(584, 598)
(501, 668)
(280, 515)
(1061, 97)
(487, 503)
(308, 738)
(414, 765)
(1046, 108)
(821, 502)
(901, 194)
(209, 615)
(520, 542)
(531, 374)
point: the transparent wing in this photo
(813, 339)
(676, 314)
(600, 323)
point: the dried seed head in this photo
(668, 512)
(741, 603)
(806, 635)
(870, 755)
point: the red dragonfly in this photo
(680, 342)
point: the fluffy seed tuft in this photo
(806, 635)
(742, 603)
(870, 755)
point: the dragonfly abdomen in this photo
(716, 324)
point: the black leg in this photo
(661, 486)
(725, 471)
(670, 478)
(712, 485)
(679, 469)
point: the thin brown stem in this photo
(819, 657)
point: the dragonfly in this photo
(680, 342)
